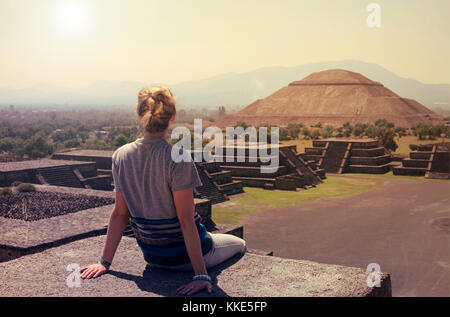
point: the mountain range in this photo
(230, 89)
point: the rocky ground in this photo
(40, 205)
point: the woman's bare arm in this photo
(184, 204)
(118, 221)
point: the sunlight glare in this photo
(71, 16)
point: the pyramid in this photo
(333, 97)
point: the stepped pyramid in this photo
(431, 161)
(293, 172)
(349, 156)
(333, 97)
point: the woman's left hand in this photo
(194, 287)
(93, 271)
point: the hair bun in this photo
(156, 105)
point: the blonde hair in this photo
(156, 106)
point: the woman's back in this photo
(144, 172)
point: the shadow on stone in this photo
(165, 282)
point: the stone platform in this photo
(19, 237)
(70, 173)
(45, 274)
(339, 156)
(102, 158)
(431, 161)
(246, 166)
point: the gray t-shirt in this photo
(146, 175)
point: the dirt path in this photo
(402, 226)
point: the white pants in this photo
(224, 247)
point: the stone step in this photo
(420, 155)
(372, 152)
(314, 150)
(321, 173)
(235, 187)
(255, 181)
(237, 231)
(375, 160)
(426, 148)
(410, 171)
(242, 161)
(368, 169)
(247, 171)
(415, 163)
(104, 172)
(312, 157)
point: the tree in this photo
(71, 143)
(384, 123)
(387, 137)
(241, 124)
(7, 144)
(401, 132)
(284, 134)
(38, 147)
(4, 131)
(84, 136)
(437, 131)
(422, 131)
(64, 135)
(120, 140)
(327, 132)
(293, 131)
(347, 129)
(306, 132)
(315, 135)
(371, 131)
(359, 129)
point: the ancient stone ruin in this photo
(333, 97)
(218, 184)
(76, 174)
(431, 161)
(349, 156)
(293, 171)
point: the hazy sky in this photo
(73, 43)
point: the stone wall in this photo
(27, 176)
(102, 162)
(441, 162)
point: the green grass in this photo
(256, 199)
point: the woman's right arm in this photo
(184, 204)
(118, 221)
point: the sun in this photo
(71, 16)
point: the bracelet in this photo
(202, 278)
(105, 263)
